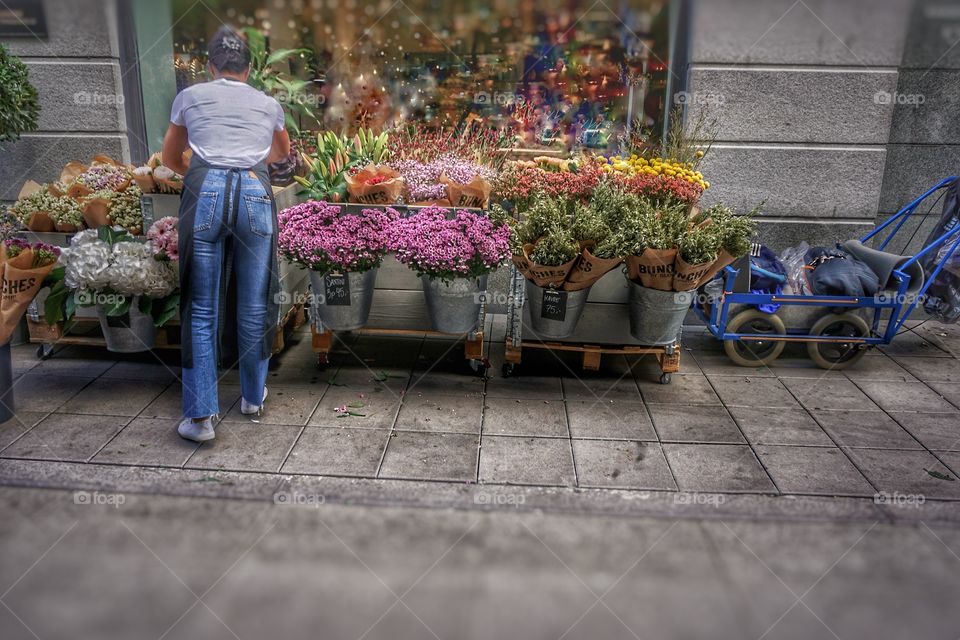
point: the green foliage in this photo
(264, 76)
(327, 168)
(370, 148)
(734, 231)
(19, 104)
(700, 244)
(555, 248)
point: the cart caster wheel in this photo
(45, 351)
(476, 366)
(755, 352)
(508, 369)
(323, 360)
(838, 355)
(666, 378)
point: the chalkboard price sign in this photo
(336, 289)
(554, 305)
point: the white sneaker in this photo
(197, 431)
(248, 409)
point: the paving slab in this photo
(694, 423)
(66, 436)
(153, 371)
(936, 431)
(149, 442)
(19, 424)
(431, 456)
(829, 393)
(780, 426)
(609, 419)
(524, 417)
(871, 429)
(521, 386)
(717, 468)
(878, 366)
(440, 413)
(622, 465)
(905, 396)
(45, 391)
(290, 405)
(907, 472)
(688, 388)
(538, 461)
(369, 380)
(589, 387)
(377, 410)
(949, 390)
(169, 404)
(753, 391)
(246, 447)
(446, 384)
(929, 369)
(718, 364)
(114, 397)
(342, 452)
(813, 470)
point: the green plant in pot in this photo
(19, 104)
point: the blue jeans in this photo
(252, 231)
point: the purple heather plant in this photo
(466, 245)
(423, 178)
(316, 235)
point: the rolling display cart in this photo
(603, 328)
(837, 330)
(398, 308)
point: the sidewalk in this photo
(406, 409)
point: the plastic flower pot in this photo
(131, 332)
(342, 300)
(454, 306)
(554, 313)
(656, 317)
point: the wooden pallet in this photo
(668, 357)
(472, 344)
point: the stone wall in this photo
(76, 71)
(804, 93)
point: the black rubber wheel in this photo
(838, 355)
(755, 353)
(45, 351)
(507, 369)
(666, 378)
(323, 360)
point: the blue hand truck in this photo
(837, 330)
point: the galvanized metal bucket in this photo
(454, 306)
(342, 300)
(656, 317)
(554, 313)
(130, 333)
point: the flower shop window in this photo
(561, 74)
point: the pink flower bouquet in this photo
(468, 245)
(164, 239)
(318, 236)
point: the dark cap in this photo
(228, 51)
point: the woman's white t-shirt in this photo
(229, 123)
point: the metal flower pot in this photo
(656, 317)
(342, 300)
(554, 313)
(454, 306)
(130, 333)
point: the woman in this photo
(228, 227)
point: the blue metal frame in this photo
(897, 303)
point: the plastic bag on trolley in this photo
(943, 296)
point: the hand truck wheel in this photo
(666, 378)
(755, 352)
(507, 369)
(838, 355)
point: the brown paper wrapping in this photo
(78, 191)
(432, 203)
(20, 284)
(96, 212)
(544, 275)
(522, 265)
(41, 222)
(723, 259)
(386, 192)
(71, 171)
(146, 183)
(169, 186)
(589, 269)
(67, 228)
(687, 276)
(475, 193)
(653, 269)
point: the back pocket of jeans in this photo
(260, 212)
(205, 211)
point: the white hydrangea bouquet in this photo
(108, 266)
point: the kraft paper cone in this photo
(522, 265)
(67, 228)
(386, 192)
(169, 185)
(475, 193)
(432, 203)
(71, 171)
(544, 275)
(589, 269)
(78, 191)
(20, 284)
(688, 276)
(96, 212)
(723, 259)
(146, 183)
(653, 269)
(29, 188)
(41, 222)
(154, 161)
